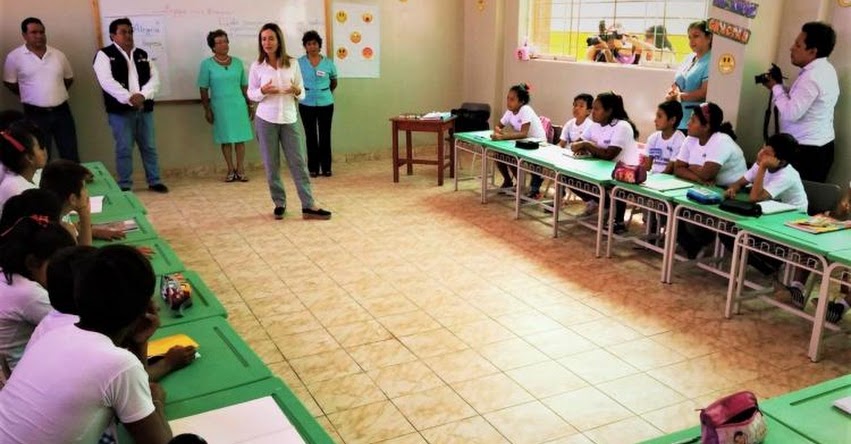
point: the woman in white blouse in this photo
(274, 81)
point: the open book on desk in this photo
(125, 226)
(260, 421)
(819, 224)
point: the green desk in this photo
(810, 411)
(778, 433)
(657, 203)
(769, 236)
(145, 232)
(542, 162)
(310, 431)
(586, 176)
(709, 217)
(473, 143)
(164, 259)
(103, 182)
(204, 302)
(226, 361)
(501, 151)
(121, 202)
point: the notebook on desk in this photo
(259, 421)
(773, 206)
(666, 183)
(580, 155)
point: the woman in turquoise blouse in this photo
(223, 84)
(692, 79)
(317, 107)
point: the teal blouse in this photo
(317, 81)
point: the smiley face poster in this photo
(356, 30)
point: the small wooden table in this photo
(409, 125)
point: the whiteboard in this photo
(174, 33)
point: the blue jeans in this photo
(127, 128)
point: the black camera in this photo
(774, 73)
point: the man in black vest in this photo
(129, 81)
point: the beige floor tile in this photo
(529, 423)
(324, 366)
(482, 332)
(284, 371)
(628, 430)
(597, 366)
(303, 394)
(411, 438)
(339, 312)
(560, 343)
(345, 392)
(687, 343)
(701, 376)
(359, 333)
(645, 354)
(290, 323)
(329, 428)
(572, 439)
(405, 379)
(267, 350)
(606, 332)
(641, 393)
(306, 344)
(473, 430)
(433, 407)
(461, 366)
(433, 343)
(587, 408)
(675, 417)
(546, 379)
(388, 305)
(410, 323)
(375, 422)
(523, 324)
(510, 354)
(492, 392)
(381, 354)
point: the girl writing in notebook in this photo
(518, 122)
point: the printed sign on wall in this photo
(729, 30)
(742, 7)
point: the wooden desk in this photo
(409, 125)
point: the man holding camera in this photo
(806, 109)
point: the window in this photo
(635, 31)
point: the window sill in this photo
(570, 59)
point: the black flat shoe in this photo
(279, 212)
(320, 214)
(327, 174)
(159, 188)
(314, 174)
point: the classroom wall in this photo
(483, 47)
(555, 83)
(421, 62)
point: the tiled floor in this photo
(419, 315)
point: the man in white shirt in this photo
(76, 379)
(130, 81)
(41, 75)
(806, 109)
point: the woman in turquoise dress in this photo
(223, 84)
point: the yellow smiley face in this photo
(355, 37)
(367, 17)
(342, 53)
(342, 16)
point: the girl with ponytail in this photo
(519, 122)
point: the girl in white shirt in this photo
(25, 250)
(611, 137)
(663, 146)
(518, 122)
(21, 154)
(275, 82)
(710, 154)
